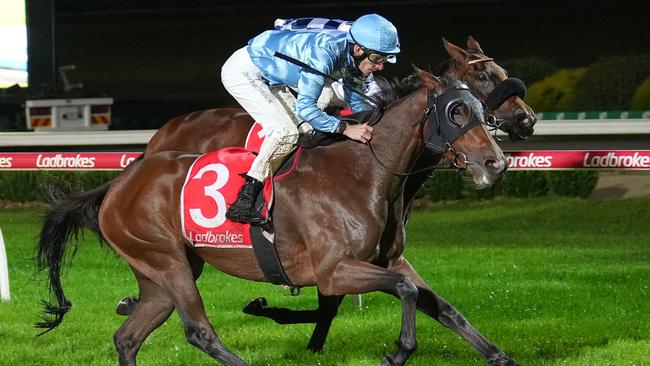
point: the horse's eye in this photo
(459, 115)
(482, 78)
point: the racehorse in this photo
(203, 131)
(340, 249)
(206, 130)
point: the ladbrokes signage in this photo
(66, 161)
(579, 159)
(517, 160)
(617, 160)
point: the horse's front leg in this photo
(438, 308)
(351, 276)
(327, 309)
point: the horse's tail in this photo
(68, 215)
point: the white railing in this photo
(5, 295)
(576, 127)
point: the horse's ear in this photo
(473, 44)
(458, 54)
(428, 79)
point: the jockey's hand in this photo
(361, 133)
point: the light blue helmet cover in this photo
(374, 32)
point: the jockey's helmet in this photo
(375, 33)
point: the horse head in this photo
(503, 96)
(456, 129)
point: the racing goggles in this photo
(378, 57)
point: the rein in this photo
(427, 111)
(428, 116)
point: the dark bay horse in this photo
(204, 131)
(208, 130)
(341, 250)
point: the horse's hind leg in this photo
(153, 309)
(127, 305)
(179, 284)
(438, 308)
(169, 282)
(322, 316)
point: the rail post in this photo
(4, 272)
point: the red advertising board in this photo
(517, 160)
(66, 160)
(579, 159)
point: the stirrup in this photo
(244, 216)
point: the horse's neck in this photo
(396, 138)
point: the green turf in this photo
(551, 281)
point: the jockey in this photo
(370, 42)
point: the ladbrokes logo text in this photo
(616, 160)
(60, 161)
(5, 162)
(219, 238)
(530, 160)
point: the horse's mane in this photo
(396, 89)
(390, 92)
(393, 90)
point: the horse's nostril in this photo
(496, 166)
(493, 164)
(525, 121)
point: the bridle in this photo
(443, 132)
(506, 88)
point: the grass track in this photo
(551, 281)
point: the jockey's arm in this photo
(310, 87)
(356, 102)
(307, 110)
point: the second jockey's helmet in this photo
(374, 32)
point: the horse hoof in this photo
(126, 305)
(255, 307)
(501, 359)
(316, 348)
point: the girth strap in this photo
(267, 258)
(263, 245)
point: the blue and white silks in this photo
(320, 46)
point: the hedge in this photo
(641, 98)
(24, 186)
(556, 92)
(579, 183)
(526, 184)
(529, 69)
(445, 185)
(610, 82)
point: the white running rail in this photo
(4, 272)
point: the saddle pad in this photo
(255, 138)
(211, 186)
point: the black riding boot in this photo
(243, 210)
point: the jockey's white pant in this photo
(242, 79)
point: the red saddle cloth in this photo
(212, 184)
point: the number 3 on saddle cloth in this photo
(212, 184)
